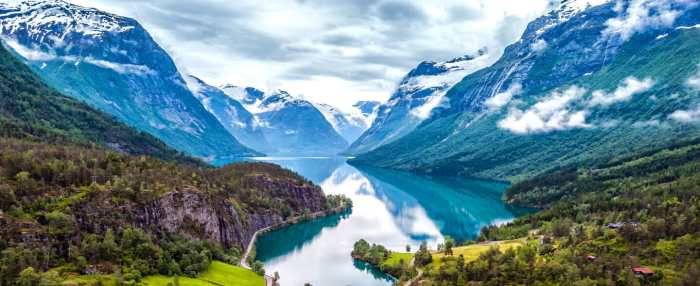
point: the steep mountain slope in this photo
(583, 83)
(231, 114)
(113, 64)
(291, 125)
(350, 126)
(367, 107)
(31, 110)
(419, 92)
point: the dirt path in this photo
(418, 275)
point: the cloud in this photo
(694, 81)
(686, 116)
(36, 55)
(641, 15)
(120, 68)
(501, 99)
(301, 45)
(569, 109)
(538, 46)
(552, 113)
(624, 92)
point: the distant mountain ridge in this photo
(585, 82)
(419, 92)
(113, 64)
(291, 125)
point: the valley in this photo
(212, 144)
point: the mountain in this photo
(231, 114)
(31, 110)
(584, 83)
(418, 93)
(367, 108)
(113, 64)
(349, 125)
(291, 125)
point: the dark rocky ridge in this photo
(195, 214)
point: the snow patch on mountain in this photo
(38, 14)
(451, 72)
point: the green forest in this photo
(630, 221)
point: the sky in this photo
(335, 52)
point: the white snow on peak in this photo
(38, 15)
(456, 71)
(569, 8)
(338, 118)
(566, 10)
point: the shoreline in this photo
(290, 221)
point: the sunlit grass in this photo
(218, 274)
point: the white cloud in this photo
(550, 114)
(501, 99)
(686, 116)
(335, 52)
(120, 68)
(694, 81)
(36, 55)
(641, 15)
(624, 92)
(27, 53)
(538, 46)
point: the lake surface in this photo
(391, 208)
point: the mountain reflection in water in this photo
(389, 207)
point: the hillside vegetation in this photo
(67, 209)
(31, 110)
(599, 224)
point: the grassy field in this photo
(218, 274)
(105, 280)
(472, 252)
(395, 258)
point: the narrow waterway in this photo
(392, 208)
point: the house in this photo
(642, 271)
(615, 225)
(618, 225)
(591, 258)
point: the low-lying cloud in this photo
(568, 109)
(636, 16)
(629, 88)
(551, 113)
(686, 116)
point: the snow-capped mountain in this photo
(350, 125)
(231, 114)
(112, 63)
(291, 125)
(588, 81)
(419, 92)
(367, 108)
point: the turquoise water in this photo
(390, 208)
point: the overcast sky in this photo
(336, 52)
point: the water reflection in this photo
(391, 208)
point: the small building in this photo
(591, 258)
(615, 225)
(642, 271)
(618, 225)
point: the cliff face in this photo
(196, 214)
(188, 211)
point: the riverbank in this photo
(402, 265)
(290, 221)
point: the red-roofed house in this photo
(642, 271)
